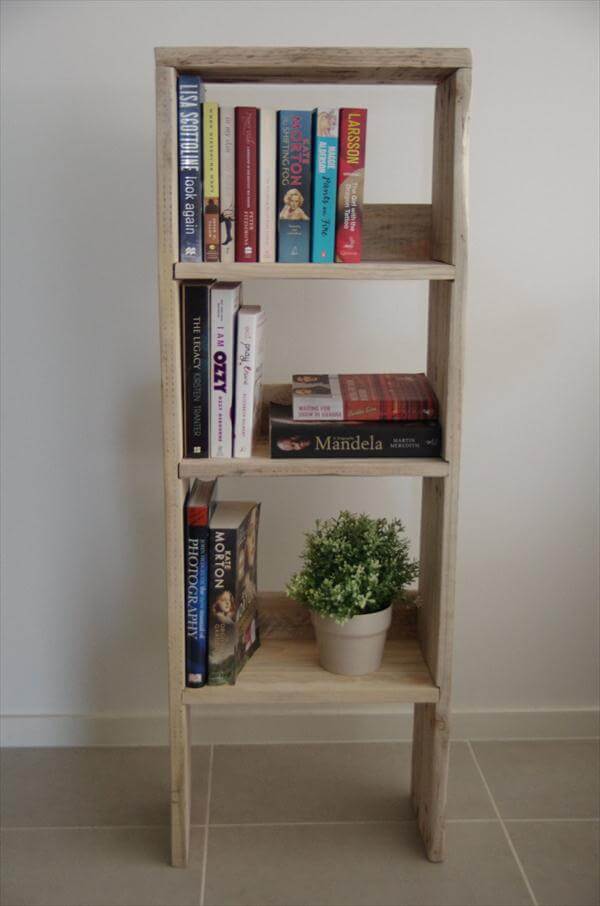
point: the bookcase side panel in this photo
(170, 350)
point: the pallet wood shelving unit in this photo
(401, 242)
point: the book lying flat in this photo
(363, 397)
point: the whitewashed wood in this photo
(367, 270)
(440, 496)
(166, 108)
(317, 65)
(287, 671)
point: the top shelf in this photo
(318, 65)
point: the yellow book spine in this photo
(210, 143)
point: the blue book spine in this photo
(189, 108)
(294, 196)
(325, 162)
(196, 603)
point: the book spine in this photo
(248, 380)
(351, 178)
(227, 182)
(222, 606)
(267, 185)
(294, 199)
(223, 312)
(212, 228)
(196, 370)
(196, 596)
(189, 89)
(246, 184)
(325, 166)
(353, 440)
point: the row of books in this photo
(266, 185)
(357, 416)
(223, 354)
(221, 619)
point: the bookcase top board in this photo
(318, 65)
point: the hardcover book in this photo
(246, 183)
(351, 178)
(267, 185)
(325, 165)
(224, 304)
(227, 183)
(212, 227)
(294, 185)
(197, 509)
(291, 439)
(248, 378)
(196, 367)
(233, 618)
(189, 108)
(364, 397)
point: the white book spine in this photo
(248, 378)
(224, 305)
(227, 162)
(267, 220)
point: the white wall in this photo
(84, 614)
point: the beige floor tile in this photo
(330, 782)
(561, 860)
(108, 867)
(360, 865)
(542, 778)
(87, 787)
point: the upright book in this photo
(227, 183)
(368, 397)
(351, 179)
(267, 195)
(197, 509)
(248, 378)
(224, 304)
(246, 184)
(189, 110)
(233, 617)
(196, 367)
(325, 166)
(212, 227)
(294, 185)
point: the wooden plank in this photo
(317, 65)
(367, 270)
(440, 496)
(284, 671)
(166, 108)
(397, 232)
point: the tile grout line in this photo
(206, 825)
(503, 826)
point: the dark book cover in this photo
(233, 615)
(351, 180)
(195, 332)
(290, 439)
(246, 183)
(189, 113)
(294, 197)
(198, 506)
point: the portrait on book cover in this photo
(292, 206)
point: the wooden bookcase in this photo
(401, 242)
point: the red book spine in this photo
(197, 515)
(351, 178)
(246, 184)
(385, 397)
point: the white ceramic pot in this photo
(353, 648)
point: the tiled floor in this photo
(298, 825)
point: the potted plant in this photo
(354, 567)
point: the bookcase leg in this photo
(431, 750)
(181, 785)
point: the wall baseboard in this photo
(271, 725)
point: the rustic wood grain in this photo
(367, 270)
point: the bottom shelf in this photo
(288, 671)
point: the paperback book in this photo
(365, 397)
(294, 185)
(212, 226)
(248, 378)
(227, 183)
(197, 510)
(233, 619)
(246, 183)
(225, 301)
(196, 367)
(351, 178)
(267, 185)
(325, 164)
(189, 108)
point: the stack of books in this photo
(223, 353)
(220, 586)
(266, 185)
(356, 416)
